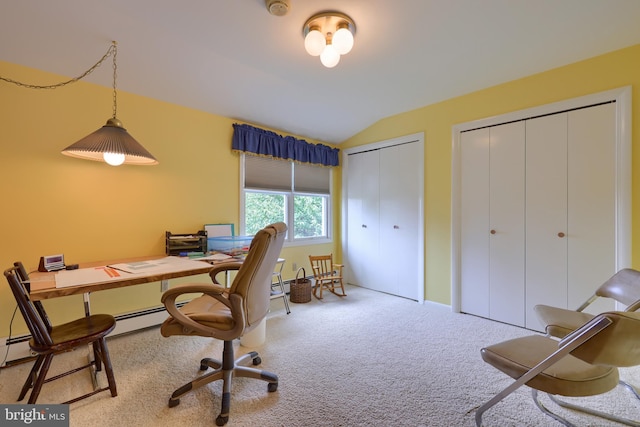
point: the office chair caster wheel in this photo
(257, 361)
(173, 402)
(271, 387)
(220, 421)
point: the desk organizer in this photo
(230, 245)
(177, 244)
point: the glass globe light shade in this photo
(329, 56)
(314, 42)
(114, 159)
(342, 41)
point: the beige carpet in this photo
(369, 359)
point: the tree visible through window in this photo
(262, 209)
(309, 212)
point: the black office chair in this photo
(47, 340)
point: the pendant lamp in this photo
(111, 143)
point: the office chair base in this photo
(225, 370)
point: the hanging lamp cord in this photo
(113, 50)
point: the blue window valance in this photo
(262, 142)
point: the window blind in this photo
(266, 173)
(311, 179)
(263, 173)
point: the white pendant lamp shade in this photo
(342, 41)
(314, 42)
(329, 35)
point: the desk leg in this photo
(87, 304)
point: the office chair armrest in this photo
(224, 267)
(216, 291)
(233, 302)
(193, 288)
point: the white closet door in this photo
(506, 216)
(363, 219)
(474, 222)
(399, 216)
(546, 214)
(592, 203)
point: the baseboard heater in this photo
(17, 348)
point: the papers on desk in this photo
(82, 276)
(114, 272)
(216, 257)
(161, 265)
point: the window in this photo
(280, 190)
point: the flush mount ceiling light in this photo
(329, 35)
(111, 143)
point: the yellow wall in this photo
(91, 211)
(609, 71)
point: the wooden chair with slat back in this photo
(48, 340)
(326, 274)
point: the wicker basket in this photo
(300, 288)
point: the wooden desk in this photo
(43, 285)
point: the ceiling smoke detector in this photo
(277, 7)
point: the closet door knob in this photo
(493, 232)
(396, 227)
(364, 225)
(561, 234)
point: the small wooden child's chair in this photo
(326, 274)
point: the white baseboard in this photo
(18, 347)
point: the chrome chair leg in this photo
(536, 400)
(593, 412)
(279, 292)
(631, 388)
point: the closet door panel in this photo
(474, 222)
(506, 216)
(354, 220)
(591, 202)
(399, 215)
(546, 214)
(363, 224)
